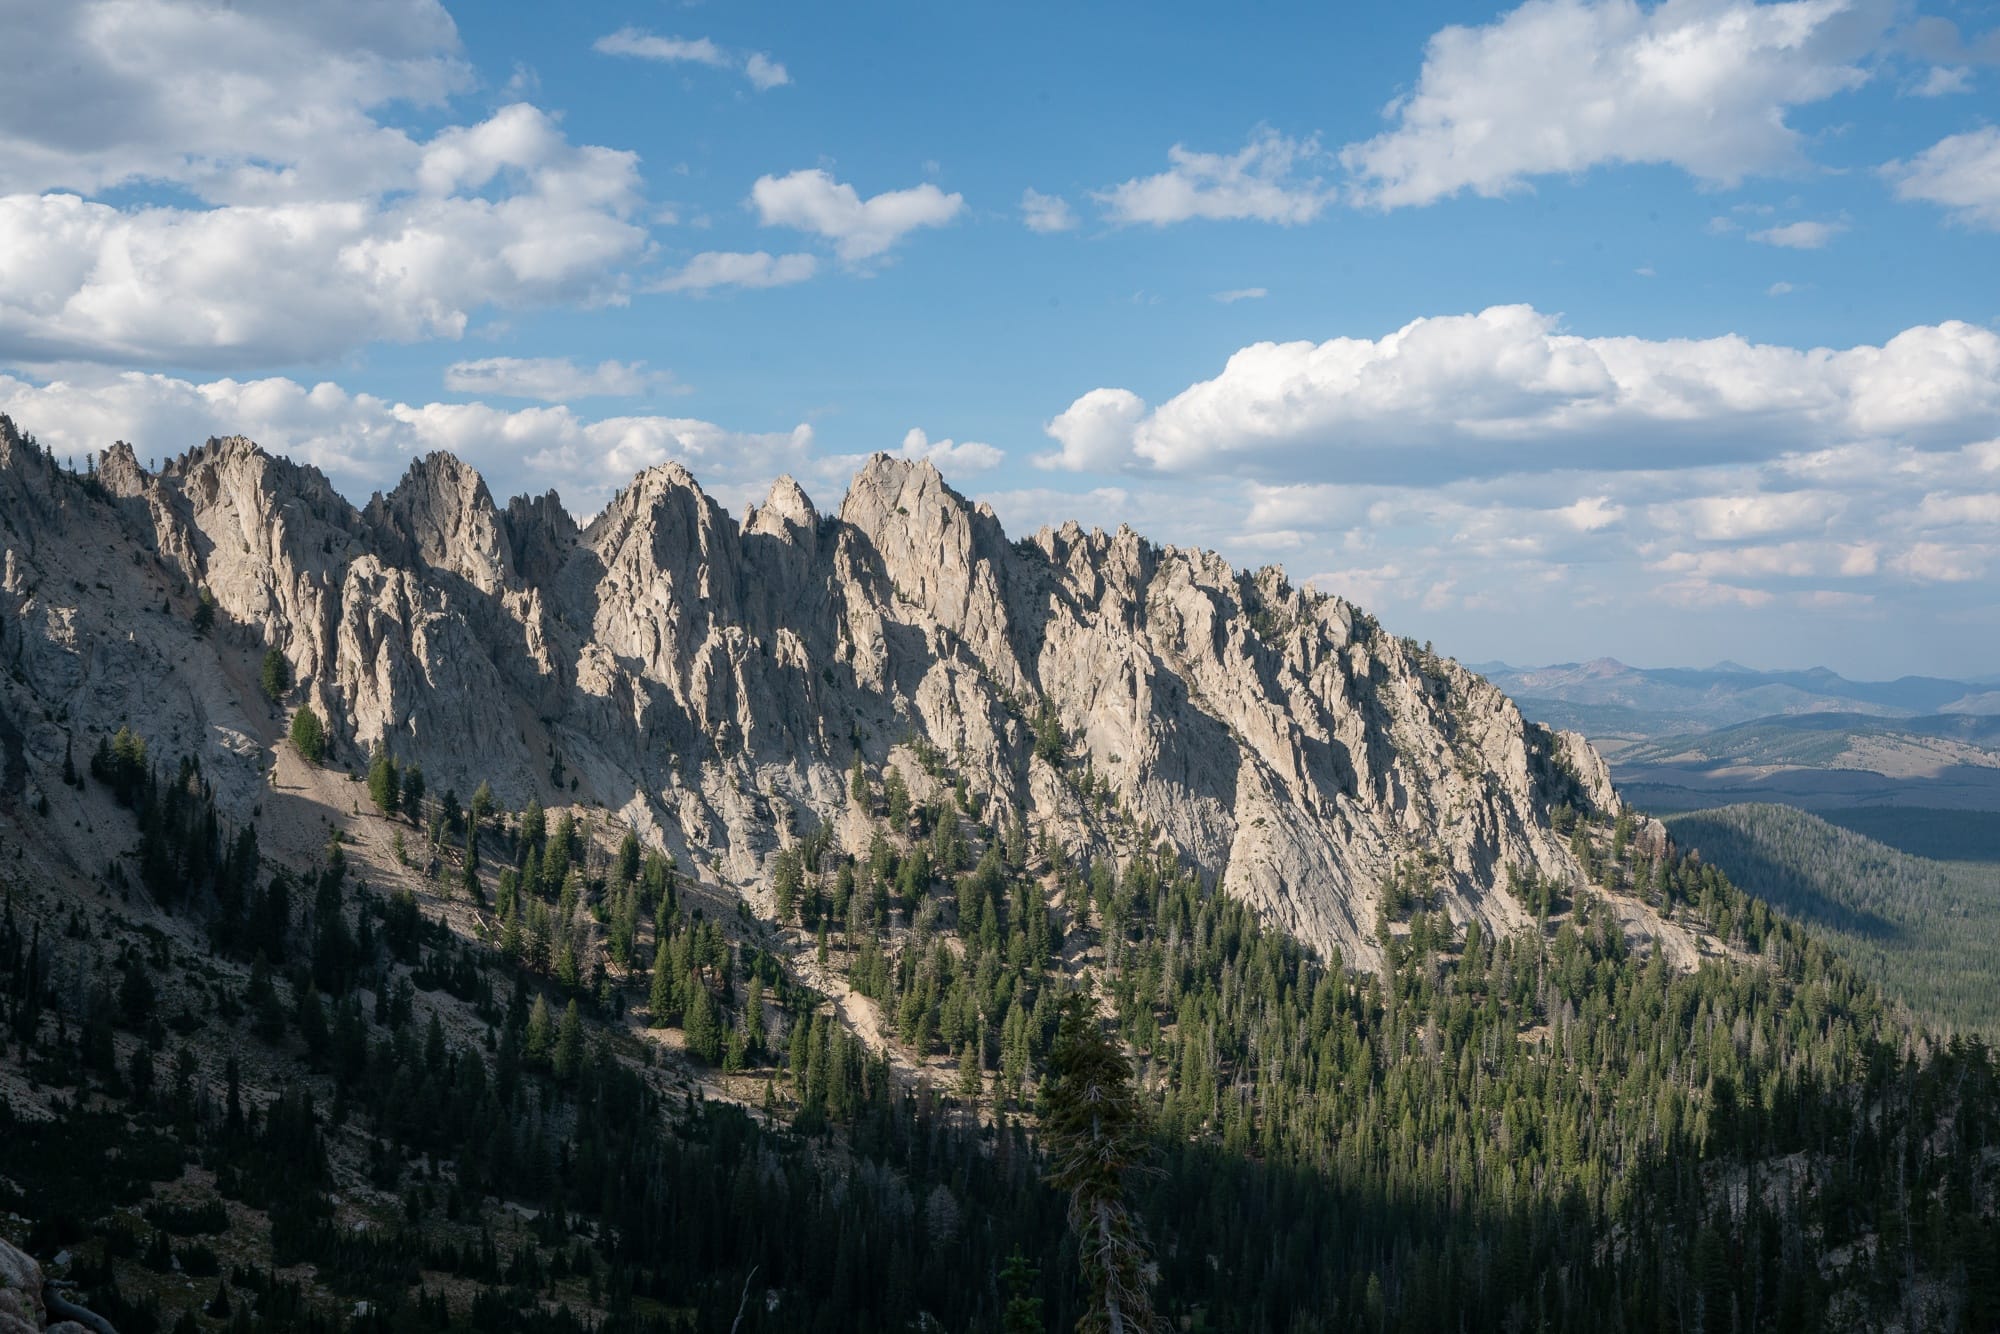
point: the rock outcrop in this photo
(714, 680)
(27, 1301)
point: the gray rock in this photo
(712, 680)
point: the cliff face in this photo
(713, 681)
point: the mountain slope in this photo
(713, 683)
(735, 1008)
(1928, 931)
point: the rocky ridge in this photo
(712, 681)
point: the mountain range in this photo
(433, 914)
(711, 683)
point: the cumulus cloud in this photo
(1801, 235)
(553, 379)
(1263, 181)
(950, 455)
(1046, 213)
(364, 442)
(763, 72)
(1960, 173)
(813, 201)
(302, 225)
(1095, 432)
(1703, 85)
(1591, 514)
(236, 104)
(265, 284)
(1731, 518)
(728, 268)
(1506, 390)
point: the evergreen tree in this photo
(204, 610)
(308, 735)
(704, 1033)
(275, 676)
(660, 1000)
(385, 785)
(1023, 1314)
(1095, 1133)
(569, 1044)
(536, 1045)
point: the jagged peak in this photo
(120, 472)
(789, 499)
(786, 508)
(659, 479)
(889, 488)
(440, 470)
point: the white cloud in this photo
(1591, 514)
(1237, 294)
(553, 379)
(1801, 235)
(1505, 391)
(1046, 213)
(1780, 288)
(1944, 81)
(813, 201)
(1260, 181)
(1095, 432)
(302, 225)
(238, 104)
(1940, 510)
(1731, 518)
(1960, 173)
(725, 268)
(763, 72)
(364, 442)
(1938, 563)
(302, 282)
(971, 456)
(1560, 86)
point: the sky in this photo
(1580, 328)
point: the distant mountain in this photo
(1608, 698)
(1686, 738)
(1820, 762)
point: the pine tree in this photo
(660, 1000)
(384, 782)
(1094, 1130)
(970, 1081)
(569, 1044)
(704, 1034)
(308, 735)
(204, 610)
(1024, 1309)
(535, 1046)
(275, 676)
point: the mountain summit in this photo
(714, 683)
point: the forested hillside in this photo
(1927, 931)
(335, 1111)
(421, 918)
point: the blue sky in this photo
(1545, 332)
